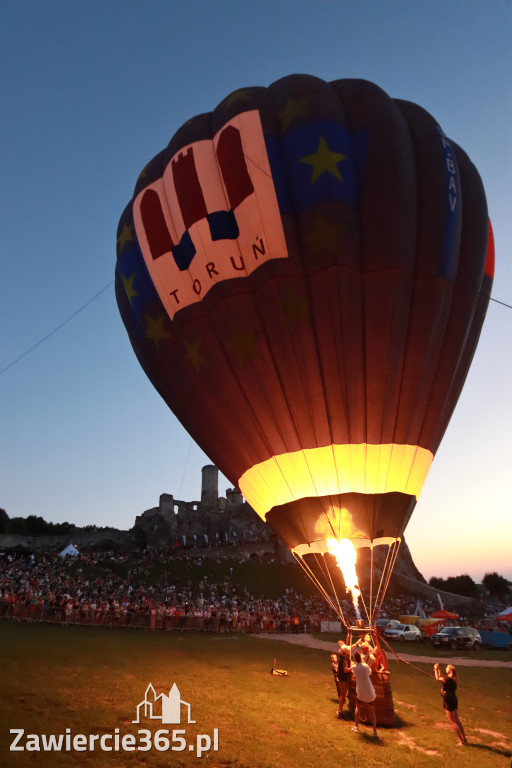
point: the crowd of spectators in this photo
(55, 589)
(116, 590)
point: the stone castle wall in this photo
(212, 520)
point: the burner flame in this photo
(345, 554)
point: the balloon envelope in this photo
(303, 274)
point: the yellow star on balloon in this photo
(324, 160)
(144, 172)
(244, 345)
(125, 236)
(293, 110)
(194, 355)
(128, 286)
(242, 94)
(323, 237)
(294, 307)
(155, 330)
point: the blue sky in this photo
(90, 92)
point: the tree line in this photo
(34, 525)
(496, 585)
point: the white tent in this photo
(69, 550)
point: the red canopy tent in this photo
(444, 614)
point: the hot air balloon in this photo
(303, 274)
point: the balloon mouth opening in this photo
(322, 547)
(332, 565)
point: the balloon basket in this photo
(381, 681)
(384, 709)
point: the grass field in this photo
(90, 680)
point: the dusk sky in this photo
(90, 92)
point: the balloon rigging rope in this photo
(372, 607)
(61, 325)
(364, 606)
(500, 302)
(414, 666)
(386, 576)
(185, 468)
(334, 601)
(377, 608)
(334, 590)
(322, 564)
(399, 658)
(308, 571)
(390, 567)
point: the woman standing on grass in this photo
(450, 701)
(343, 673)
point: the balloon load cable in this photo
(333, 600)
(399, 658)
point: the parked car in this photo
(382, 624)
(403, 632)
(457, 637)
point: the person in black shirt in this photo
(343, 673)
(450, 701)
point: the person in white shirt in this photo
(365, 692)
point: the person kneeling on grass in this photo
(365, 692)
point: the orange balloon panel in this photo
(303, 274)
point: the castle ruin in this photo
(213, 521)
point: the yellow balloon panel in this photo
(333, 470)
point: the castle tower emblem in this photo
(170, 706)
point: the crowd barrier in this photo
(144, 620)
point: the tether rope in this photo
(399, 658)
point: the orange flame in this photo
(345, 554)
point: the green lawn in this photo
(90, 681)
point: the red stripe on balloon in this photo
(155, 227)
(489, 263)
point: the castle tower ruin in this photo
(210, 487)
